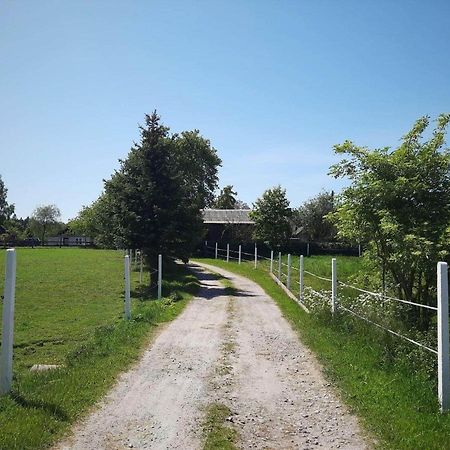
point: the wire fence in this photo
(294, 278)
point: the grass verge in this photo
(395, 402)
(218, 433)
(69, 311)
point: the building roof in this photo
(238, 216)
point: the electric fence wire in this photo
(386, 297)
(315, 293)
(388, 330)
(317, 276)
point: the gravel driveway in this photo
(238, 351)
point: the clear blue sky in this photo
(273, 85)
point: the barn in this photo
(228, 225)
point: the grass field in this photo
(69, 311)
(396, 402)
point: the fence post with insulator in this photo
(288, 282)
(160, 268)
(6, 358)
(443, 337)
(301, 278)
(127, 288)
(279, 266)
(333, 286)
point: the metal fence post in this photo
(307, 249)
(6, 361)
(141, 267)
(216, 250)
(302, 268)
(288, 282)
(443, 337)
(256, 255)
(160, 277)
(333, 286)
(271, 261)
(127, 289)
(228, 252)
(279, 266)
(240, 252)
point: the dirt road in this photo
(238, 351)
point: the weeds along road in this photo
(227, 348)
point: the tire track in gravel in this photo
(159, 404)
(277, 392)
(236, 351)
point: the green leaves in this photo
(153, 201)
(272, 214)
(399, 203)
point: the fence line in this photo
(332, 298)
(318, 276)
(379, 294)
(388, 330)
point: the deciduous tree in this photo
(6, 209)
(45, 216)
(271, 213)
(311, 221)
(399, 202)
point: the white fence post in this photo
(271, 261)
(141, 268)
(443, 337)
(288, 282)
(216, 250)
(6, 361)
(240, 252)
(307, 249)
(302, 268)
(333, 285)
(228, 252)
(279, 266)
(160, 277)
(256, 255)
(127, 288)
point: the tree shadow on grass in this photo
(49, 408)
(176, 282)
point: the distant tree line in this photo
(397, 204)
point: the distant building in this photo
(68, 241)
(230, 225)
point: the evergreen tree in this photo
(154, 200)
(226, 199)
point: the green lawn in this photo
(396, 402)
(69, 311)
(347, 268)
